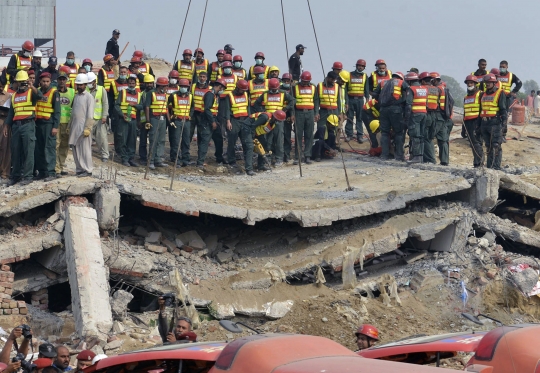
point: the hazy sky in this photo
(445, 36)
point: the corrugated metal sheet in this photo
(27, 19)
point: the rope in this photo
(316, 39)
(182, 33)
(202, 25)
(284, 32)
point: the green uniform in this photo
(356, 103)
(125, 134)
(180, 136)
(416, 126)
(305, 123)
(205, 132)
(157, 132)
(324, 113)
(473, 131)
(143, 132)
(434, 123)
(45, 150)
(62, 137)
(491, 129)
(99, 129)
(287, 129)
(241, 127)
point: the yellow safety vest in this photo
(118, 87)
(144, 68)
(490, 104)
(342, 99)
(240, 73)
(377, 79)
(215, 105)
(328, 96)
(66, 100)
(198, 97)
(158, 105)
(44, 107)
(216, 71)
(126, 99)
(73, 71)
(419, 104)
(182, 106)
(201, 67)
(252, 74)
(257, 89)
(471, 106)
(263, 129)
(370, 105)
(304, 96)
(108, 78)
(22, 105)
(98, 106)
(506, 82)
(231, 84)
(273, 101)
(357, 84)
(239, 105)
(185, 69)
(23, 62)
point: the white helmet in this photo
(81, 79)
(91, 76)
(37, 53)
(98, 358)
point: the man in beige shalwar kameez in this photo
(80, 127)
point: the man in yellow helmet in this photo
(325, 139)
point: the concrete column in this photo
(485, 193)
(86, 272)
(107, 204)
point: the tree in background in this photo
(455, 89)
(529, 85)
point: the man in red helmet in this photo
(493, 113)
(259, 62)
(337, 67)
(128, 103)
(366, 336)
(20, 61)
(198, 90)
(208, 127)
(434, 118)
(134, 71)
(237, 69)
(263, 124)
(144, 67)
(472, 120)
(230, 79)
(257, 86)
(286, 86)
(87, 64)
(214, 70)
(381, 73)
(156, 114)
(305, 114)
(416, 110)
(180, 112)
(357, 89)
(201, 63)
(185, 67)
(295, 63)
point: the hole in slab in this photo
(59, 297)
(517, 208)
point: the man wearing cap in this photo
(295, 63)
(112, 45)
(84, 359)
(47, 350)
(62, 356)
(51, 69)
(36, 63)
(101, 112)
(41, 364)
(228, 49)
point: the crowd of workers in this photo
(46, 111)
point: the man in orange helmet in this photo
(185, 67)
(20, 61)
(201, 63)
(366, 336)
(259, 62)
(214, 70)
(381, 73)
(156, 113)
(144, 67)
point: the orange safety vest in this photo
(420, 94)
(471, 106)
(304, 96)
(73, 71)
(182, 106)
(231, 84)
(239, 105)
(118, 87)
(201, 66)
(376, 79)
(252, 74)
(128, 98)
(370, 105)
(263, 129)
(490, 104)
(170, 90)
(44, 107)
(185, 69)
(397, 88)
(23, 62)
(357, 84)
(215, 105)
(216, 71)
(328, 96)
(144, 68)
(108, 78)
(506, 82)
(257, 89)
(433, 97)
(273, 101)
(22, 105)
(198, 97)
(158, 105)
(240, 73)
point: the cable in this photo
(316, 39)
(182, 33)
(202, 24)
(284, 31)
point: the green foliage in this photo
(455, 88)
(530, 85)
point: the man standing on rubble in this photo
(507, 79)
(125, 135)
(208, 128)
(494, 113)
(295, 63)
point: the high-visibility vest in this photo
(433, 97)
(44, 106)
(328, 96)
(66, 100)
(201, 66)
(215, 105)
(158, 105)
(273, 101)
(144, 68)
(420, 94)
(372, 105)
(397, 88)
(73, 71)
(342, 101)
(239, 104)
(171, 89)
(108, 78)
(257, 89)
(471, 106)
(357, 84)
(21, 102)
(252, 73)
(185, 69)
(126, 99)
(182, 105)
(98, 105)
(23, 62)
(263, 129)
(490, 104)
(506, 82)
(198, 96)
(376, 79)
(480, 78)
(240, 73)
(231, 84)
(216, 71)
(304, 96)
(118, 87)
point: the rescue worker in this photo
(227, 57)
(133, 70)
(286, 86)
(391, 95)
(238, 70)
(237, 111)
(73, 68)
(416, 106)
(118, 86)
(325, 139)
(337, 67)
(208, 128)
(144, 67)
(480, 73)
(306, 113)
(366, 336)
(507, 79)
(21, 118)
(357, 89)
(106, 79)
(327, 99)
(185, 67)
(32, 77)
(273, 72)
(36, 64)
(259, 62)
(257, 86)
(67, 95)
(87, 64)
(230, 79)
(493, 114)
(472, 120)
(180, 112)
(370, 112)
(445, 128)
(295, 63)
(101, 112)
(84, 359)
(270, 101)
(214, 71)
(5, 133)
(198, 90)
(20, 61)
(156, 112)
(51, 69)
(263, 124)
(47, 121)
(228, 49)
(381, 73)
(201, 63)
(343, 79)
(148, 85)
(173, 86)
(434, 119)
(125, 136)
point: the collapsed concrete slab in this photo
(515, 184)
(107, 205)
(17, 248)
(507, 229)
(87, 272)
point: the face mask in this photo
(258, 61)
(173, 81)
(26, 54)
(87, 68)
(220, 92)
(123, 76)
(286, 85)
(274, 91)
(359, 71)
(90, 85)
(227, 70)
(260, 76)
(130, 90)
(381, 72)
(502, 70)
(238, 65)
(471, 88)
(183, 90)
(70, 61)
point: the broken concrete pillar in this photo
(486, 191)
(86, 272)
(107, 204)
